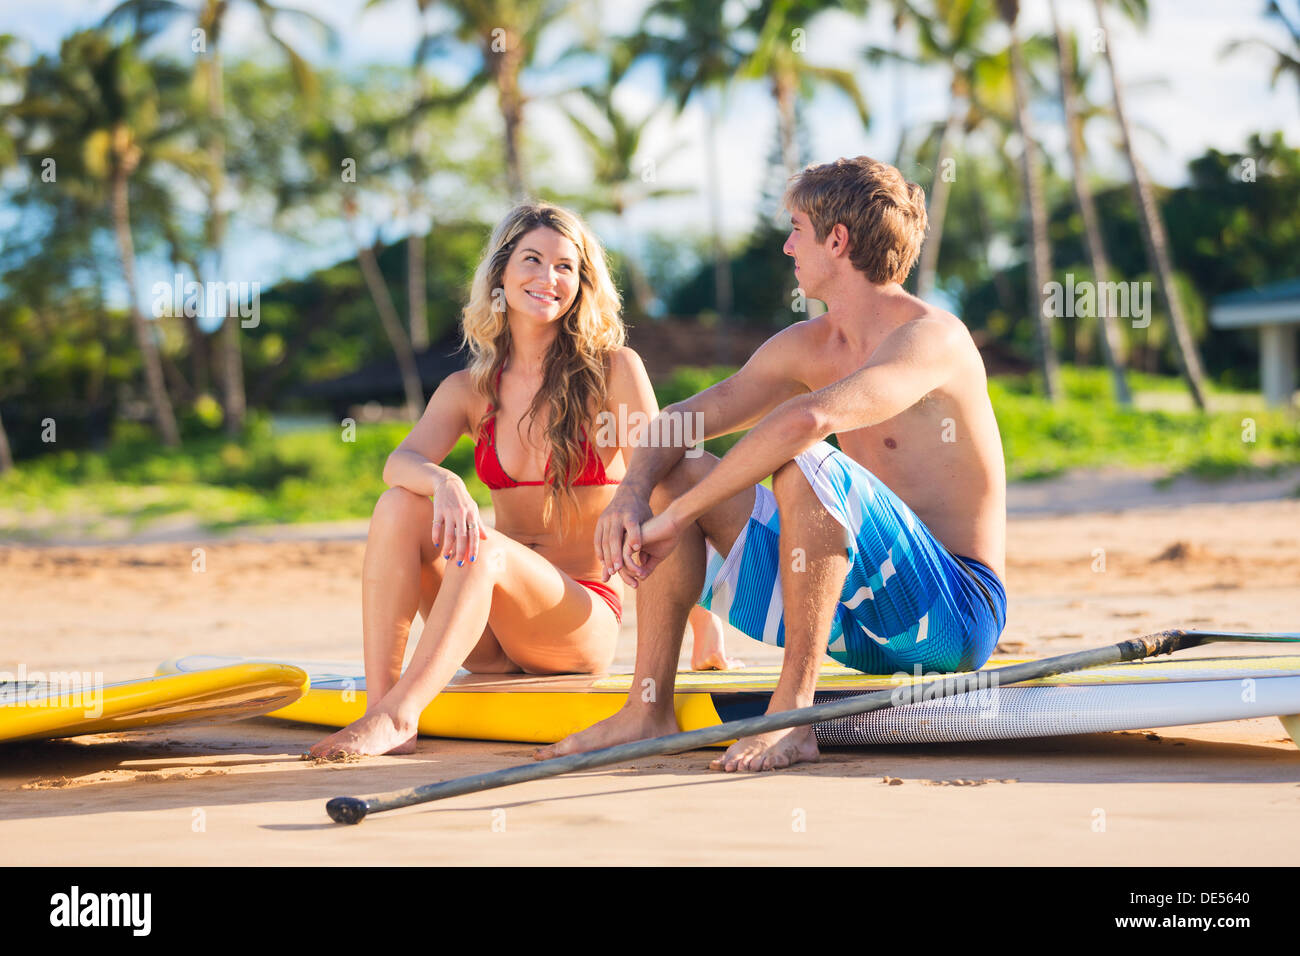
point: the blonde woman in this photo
(547, 358)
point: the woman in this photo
(547, 356)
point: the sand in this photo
(238, 793)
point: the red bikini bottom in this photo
(607, 594)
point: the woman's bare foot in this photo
(627, 725)
(770, 751)
(373, 734)
(708, 644)
(714, 661)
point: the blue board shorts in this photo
(907, 602)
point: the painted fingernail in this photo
(460, 564)
(471, 560)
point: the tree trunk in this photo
(178, 387)
(232, 363)
(642, 294)
(415, 290)
(392, 325)
(927, 269)
(506, 66)
(1153, 237)
(783, 90)
(1108, 335)
(164, 418)
(6, 456)
(1040, 260)
(1006, 298)
(198, 341)
(721, 266)
(898, 89)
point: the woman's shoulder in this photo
(458, 390)
(460, 381)
(625, 362)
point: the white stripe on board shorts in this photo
(907, 602)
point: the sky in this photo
(1200, 99)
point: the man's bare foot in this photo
(623, 727)
(373, 734)
(770, 751)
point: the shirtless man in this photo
(886, 555)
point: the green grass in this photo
(314, 474)
(1086, 429)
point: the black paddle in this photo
(355, 809)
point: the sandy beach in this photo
(238, 793)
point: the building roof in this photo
(1277, 303)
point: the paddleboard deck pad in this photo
(1132, 696)
(75, 704)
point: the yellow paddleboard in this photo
(68, 704)
(1136, 695)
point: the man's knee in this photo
(685, 475)
(789, 483)
(799, 505)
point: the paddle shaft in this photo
(355, 809)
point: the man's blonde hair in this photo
(883, 213)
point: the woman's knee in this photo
(490, 556)
(401, 504)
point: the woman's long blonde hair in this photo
(575, 381)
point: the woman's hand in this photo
(618, 533)
(657, 539)
(456, 526)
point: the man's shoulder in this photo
(799, 336)
(938, 328)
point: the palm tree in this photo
(417, 169)
(951, 34)
(11, 75)
(325, 147)
(1150, 224)
(1286, 62)
(95, 109)
(1108, 333)
(388, 317)
(904, 15)
(693, 44)
(614, 144)
(1040, 260)
(148, 17)
(787, 69)
(505, 33)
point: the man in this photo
(886, 554)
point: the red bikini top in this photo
(488, 465)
